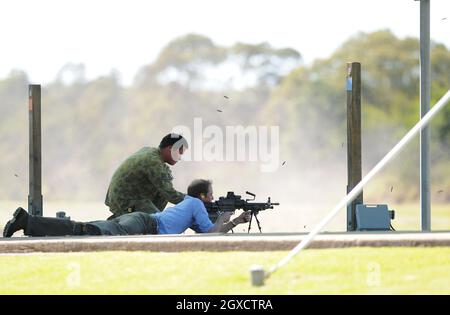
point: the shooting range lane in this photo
(219, 242)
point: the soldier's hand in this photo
(244, 217)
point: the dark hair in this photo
(171, 139)
(198, 186)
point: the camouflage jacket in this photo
(143, 182)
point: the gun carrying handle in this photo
(251, 194)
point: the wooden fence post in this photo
(354, 165)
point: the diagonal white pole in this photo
(355, 191)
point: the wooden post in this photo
(35, 179)
(354, 165)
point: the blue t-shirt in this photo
(190, 213)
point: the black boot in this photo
(18, 222)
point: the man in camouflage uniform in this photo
(143, 182)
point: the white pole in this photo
(358, 188)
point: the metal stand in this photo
(257, 222)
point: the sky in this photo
(40, 37)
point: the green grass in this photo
(325, 271)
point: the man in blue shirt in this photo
(190, 213)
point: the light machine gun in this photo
(233, 202)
